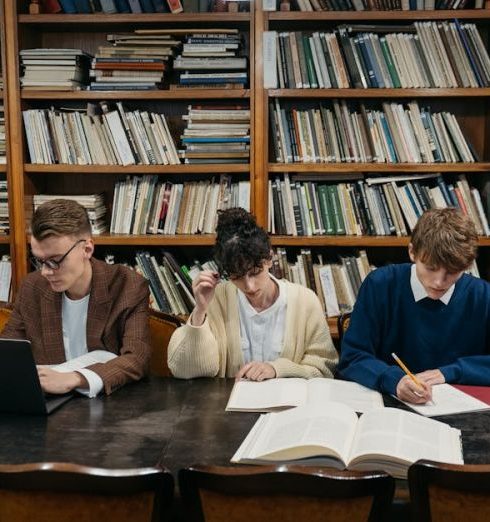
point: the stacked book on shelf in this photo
(101, 135)
(4, 208)
(3, 143)
(379, 206)
(146, 205)
(385, 5)
(211, 59)
(54, 69)
(216, 134)
(170, 283)
(5, 278)
(134, 61)
(119, 6)
(93, 203)
(422, 55)
(349, 132)
(336, 284)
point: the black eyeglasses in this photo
(52, 264)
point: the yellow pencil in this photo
(401, 364)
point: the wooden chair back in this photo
(283, 493)
(162, 326)
(4, 317)
(342, 324)
(47, 492)
(449, 493)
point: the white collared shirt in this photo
(419, 291)
(262, 333)
(74, 321)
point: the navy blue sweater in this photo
(455, 338)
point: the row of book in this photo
(131, 6)
(340, 132)
(424, 54)
(94, 204)
(4, 208)
(386, 5)
(376, 206)
(3, 142)
(145, 205)
(216, 134)
(102, 135)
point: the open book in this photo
(448, 400)
(276, 394)
(331, 434)
(87, 359)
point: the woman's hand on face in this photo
(203, 288)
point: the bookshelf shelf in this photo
(4, 240)
(379, 167)
(386, 16)
(181, 94)
(138, 169)
(380, 93)
(350, 241)
(148, 18)
(155, 240)
(3, 168)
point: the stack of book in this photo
(4, 208)
(216, 134)
(421, 55)
(103, 135)
(385, 5)
(336, 284)
(342, 132)
(93, 204)
(109, 6)
(54, 69)
(210, 59)
(134, 61)
(144, 205)
(380, 206)
(3, 144)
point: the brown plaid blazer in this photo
(117, 321)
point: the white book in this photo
(328, 291)
(119, 136)
(277, 394)
(269, 43)
(388, 439)
(448, 400)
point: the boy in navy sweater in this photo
(434, 316)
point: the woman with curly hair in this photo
(252, 326)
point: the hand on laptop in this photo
(56, 382)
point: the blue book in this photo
(389, 138)
(431, 134)
(445, 190)
(68, 6)
(122, 6)
(415, 207)
(108, 6)
(368, 66)
(472, 59)
(452, 194)
(135, 6)
(374, 60)
(147, 6)
(83, 6)
(161, 6)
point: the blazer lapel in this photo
(52, 329)
(99, 306)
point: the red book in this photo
(51, 6)
(175, 6)
(481, 393)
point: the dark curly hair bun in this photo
(241, 245)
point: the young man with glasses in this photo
(73, 304)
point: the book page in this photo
(447, 400)
(406, 437)
(267, 395)
(306, 431)
(354, 395)
(87, 359)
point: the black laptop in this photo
(20, 389)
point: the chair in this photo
(343, 321)
(47, 492)
(162, 326)
(449, 493)
(283, 493)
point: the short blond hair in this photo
(445, 238)
(60, 217)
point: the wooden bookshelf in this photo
(136, 169)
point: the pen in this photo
(401, 364)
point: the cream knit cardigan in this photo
(213, 349)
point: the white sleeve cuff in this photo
(95, 383)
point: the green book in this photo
(326, 210)
(389, 62)
(338, 217)
(309, 63)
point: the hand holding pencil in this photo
(411, 389)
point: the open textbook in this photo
(87, 359)
(331, 434)
(275, 394)
(447, 400)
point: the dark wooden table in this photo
(163, 421)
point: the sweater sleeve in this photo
(361, 344)
(318, 356)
